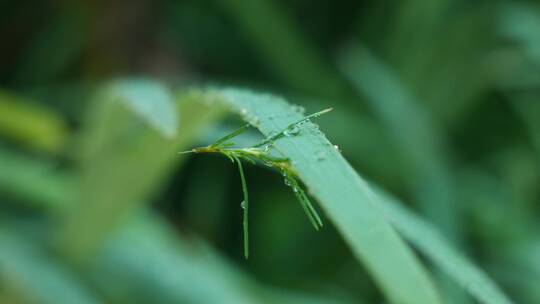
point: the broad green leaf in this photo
(151, 100)
(342, 193)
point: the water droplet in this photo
(320, 155)
(292, 131)
(294, 189)
(287, 181)
(243, 111)
(298, 109)
(337, 148)
(243, 205)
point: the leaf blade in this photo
(428, 240)
(151, 101)
(347, 200)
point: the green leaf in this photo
(151, 100)
(360, 214)
(429, 241)
(223, 140)
(418, 137)
(342, 193)
(122, 163)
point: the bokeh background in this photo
(435, 101)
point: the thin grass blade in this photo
(245, 207)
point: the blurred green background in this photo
(436, 101)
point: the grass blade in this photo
(225, 138)
(428, 240)
(421, 140)
(290, 126)
(361, 215)
(101, 202)
(342, 193)
(306, 204)
(151, 100)
(245, 207)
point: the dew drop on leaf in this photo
(320, 155)
(292, 131)
(298, 109)
(287, 181)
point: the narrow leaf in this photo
(223, 140)
(151, 101)
(342, 193)
(427, 239)
(245, 207)
(362, 216)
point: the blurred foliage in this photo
(435, 101)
